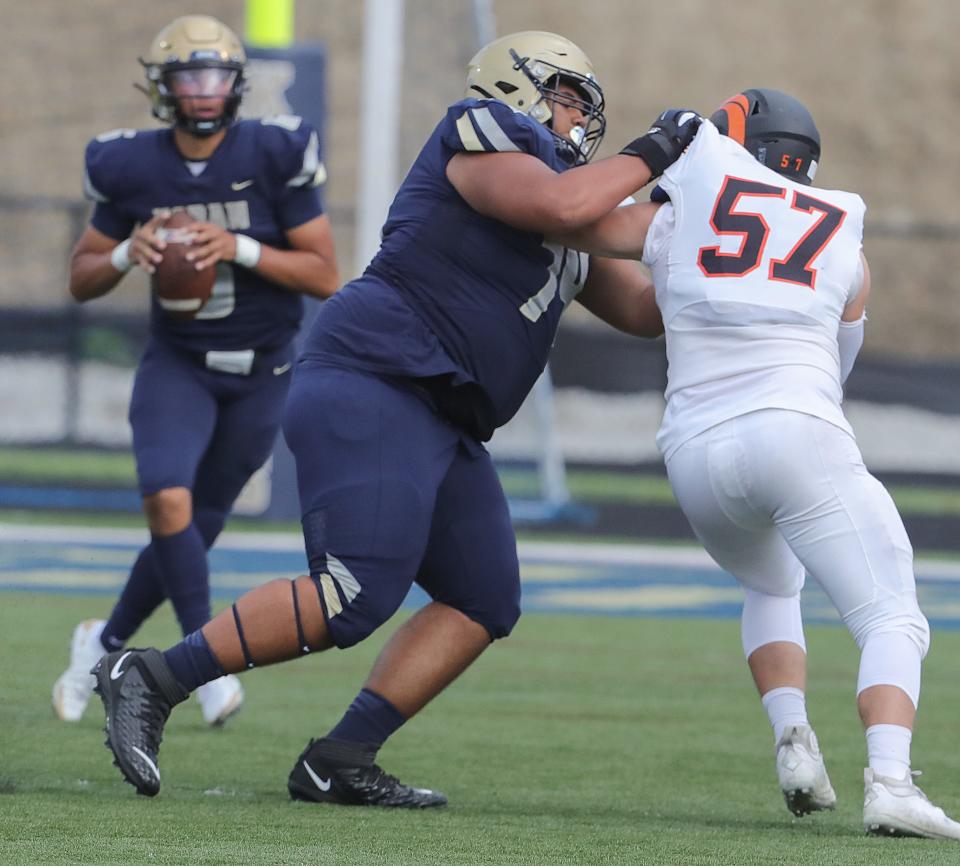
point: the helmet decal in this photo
(736, 108)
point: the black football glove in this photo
(662, 145)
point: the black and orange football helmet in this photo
(776, 128)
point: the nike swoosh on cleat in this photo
(238, 185)
(322, 784)
(115, 671)
(279, 371)
(150, 764)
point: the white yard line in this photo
(927, 568)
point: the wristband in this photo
(655, 150)
(120, 257)
(248, 251)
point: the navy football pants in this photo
(205, 430)
(391, 493)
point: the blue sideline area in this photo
(614, 580)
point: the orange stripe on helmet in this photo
(736, 109)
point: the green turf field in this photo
(580, 740)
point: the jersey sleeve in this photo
(668, 187)
(292, 147)
(491, 126)
(103, 183)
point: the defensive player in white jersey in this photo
(762, 285)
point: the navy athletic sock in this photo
(182, 564)
(141, 596)
(193, 662)
(209, 522)
(370, 719)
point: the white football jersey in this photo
(752, 273)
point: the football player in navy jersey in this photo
(209, 391)
(407, 371)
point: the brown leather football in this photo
(180, 288)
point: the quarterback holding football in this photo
(245, 199)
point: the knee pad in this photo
(353, 614)
(497, 613)
(500, 621)
(918, 630)
(900, 614)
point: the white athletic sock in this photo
(785, 708)
(888, 750)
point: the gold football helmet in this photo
(195, 57)
(524, 70)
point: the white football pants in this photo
(777, 493)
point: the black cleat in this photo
(138, 691)
(332, 771)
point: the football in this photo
(180, 289)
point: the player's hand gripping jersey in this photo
(459, 300)
(263, 179)
(753, 272)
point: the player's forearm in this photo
(582, 195)
(587, 191)
(622, 294)
(92, 275)
(299, 270)
(525, 193)
(619, 234)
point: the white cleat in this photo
(220, 699)
(802, 774)
(897, 807)
(72, 691)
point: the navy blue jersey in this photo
(262, 180)
(490, 296)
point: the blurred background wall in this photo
(880, 76)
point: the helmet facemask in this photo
(582, 142)
(173, 84)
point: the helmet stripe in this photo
(736, 108)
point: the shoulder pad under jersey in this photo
(108, 160)
(292, 146)
(491, 126)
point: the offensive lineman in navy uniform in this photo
(406, 372)
(209, 391)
